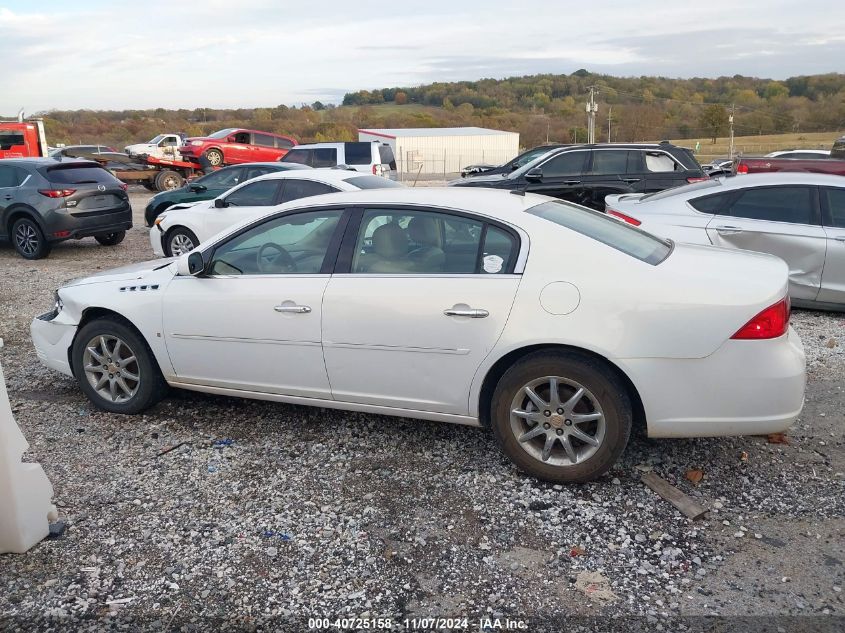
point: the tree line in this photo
(539, 107)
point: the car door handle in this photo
(727, 228)
(630, 180)
(292, 308)
(472, 313)
(8, 197)
(572, 182)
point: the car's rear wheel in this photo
(214, 157)
(111, 239)
(29, 240)
(561, 416)
(115, 368)
(179, 241)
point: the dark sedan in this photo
(210, 186)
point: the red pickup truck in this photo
(832, 166)
(234, 145)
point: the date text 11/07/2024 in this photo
(419, 624)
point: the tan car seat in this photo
(390, 250)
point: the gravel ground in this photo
(269, 511)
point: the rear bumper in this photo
(52, 340)
(744, 388)
(62, 226)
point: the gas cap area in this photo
(559, 298)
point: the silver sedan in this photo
(799, 217)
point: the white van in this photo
(369, 157)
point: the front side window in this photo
(427, 242)
(256, 194)
(565, 164)
(604, 229)
(287, 245)
(294, 189)
(325, 157)
(609, 162)
(775, 204)
(243, 137)
(223, 179)
(835, 207)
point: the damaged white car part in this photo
(25, 492)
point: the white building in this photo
(433, 152)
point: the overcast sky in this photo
(116, 54)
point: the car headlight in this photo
(58, 305)
(196, 143)
(160, 219)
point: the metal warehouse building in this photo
(433, 152)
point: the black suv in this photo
(587, 173)
(471, 171)
(43, 201)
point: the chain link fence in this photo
(422, 166)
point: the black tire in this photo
(214, 157)
(600, 382)
(168, 180)
(111, 239)
(149, 185)
(29, 240)
(175, 233)
(151, 387)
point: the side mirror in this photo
(190, 264)
(220, 203)
(197, 188)
(534, 175)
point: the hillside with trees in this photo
(539, 107)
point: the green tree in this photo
(714, 119)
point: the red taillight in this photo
(375, 171)
(742, 168)
(692, 179)
(622, 216)
(57, 193)
(770, 323)
(62, 234)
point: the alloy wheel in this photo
(180, 244)
(111, 368)
(557, 421)
(26, 238)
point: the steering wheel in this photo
(278, 262)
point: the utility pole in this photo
(592, 108)
(609, 120)
(731, 122)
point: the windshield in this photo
(676, 191)
(222, 133)
(372, 182)
(155, 140)
(598, 226)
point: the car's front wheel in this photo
(115, 368)
(111, 239)
(561, 416)
(179, 241)
(214, 157)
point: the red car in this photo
(234, 145)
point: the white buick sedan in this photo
(552, 325)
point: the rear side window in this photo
(265, 140)
(300, 156)
(775, 204)
(325, 157)
(598, 226)
(608, 162)
(372, 182)
(835, 207)
(283, 143)
(710, 204)
(71, 175)
(660, 162)
(296, 189)
(358, 153)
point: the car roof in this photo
(329, 144)
(782, 178)
(38, 161)
(495, 203)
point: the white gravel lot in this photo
(268, 514)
